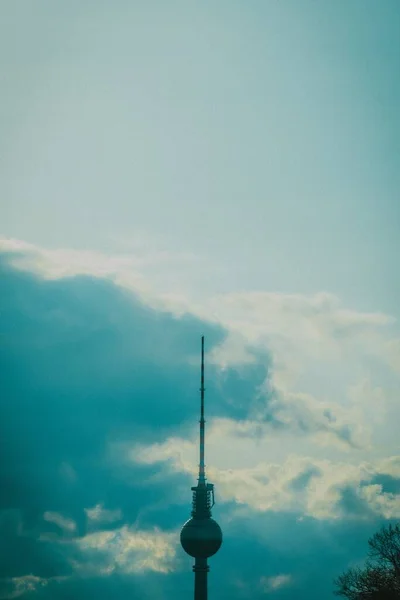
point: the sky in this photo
(176, 169)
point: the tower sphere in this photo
(201, 538)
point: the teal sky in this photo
(261, 135)
(176, 169)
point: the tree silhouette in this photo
(380, 578)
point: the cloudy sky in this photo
(176, 169)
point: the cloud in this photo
(310, 337)
(307, 486)
(86, 366)
(99, 426)
(20, 586)
(308, 352)
(384, 503)
(128, 550)
(327, 422)
(67, 525)
(99, 515)
(140, 267)
(319, 320)
(269, 584)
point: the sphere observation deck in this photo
(201, 538)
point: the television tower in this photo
(201, 536)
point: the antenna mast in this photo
(202, 473)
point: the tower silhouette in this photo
(201, 536)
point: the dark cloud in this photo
(390, 485)
(312, 552)
(22, 554)
(352, 505)
(241, 388)
(85, 364)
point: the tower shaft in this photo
(200, 569)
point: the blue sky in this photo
(176, 169)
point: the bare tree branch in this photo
(380, 578)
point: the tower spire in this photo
(202, 467)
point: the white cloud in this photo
(141, 269)
(128, 550)
(232, 352)
(68, 525)
(323, 356)
(313, 339)
(270, 584)
(390, 466)
(19, 586)
(309, 486)
(177, 451)
(98, 514)
(382, 503)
